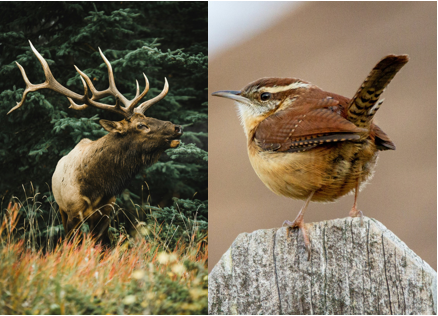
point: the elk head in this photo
(157, 134)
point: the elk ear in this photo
(110, 126)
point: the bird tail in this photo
(365, 103)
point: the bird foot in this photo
(290, 224)
(354, 212)
(300, 224)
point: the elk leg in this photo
(100, 220)
(72, 224)
(64, 219)
(99, 223)
(101, 230)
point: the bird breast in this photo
(330, 170)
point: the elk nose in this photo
(178, 129)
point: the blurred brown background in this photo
(334, 45)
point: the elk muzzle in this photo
(178, 132)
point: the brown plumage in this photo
(306, 143)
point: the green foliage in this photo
(161, 39)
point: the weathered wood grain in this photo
(353, 269)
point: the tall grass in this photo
(138, 275)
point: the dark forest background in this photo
(161, 39)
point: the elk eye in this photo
(142, 126)
(265, 96)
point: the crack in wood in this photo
(325, 267)
(275, 272)
(386, 276)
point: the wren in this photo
(309, 144)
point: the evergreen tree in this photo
(161, 39)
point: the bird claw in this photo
(289, 224)
(300, 225)
(354, 212)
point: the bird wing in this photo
(381, 140)
(304, 126)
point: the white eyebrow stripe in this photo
(294, 85)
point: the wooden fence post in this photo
(353, 269)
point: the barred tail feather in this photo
(362, 106)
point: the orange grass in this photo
(81, 277)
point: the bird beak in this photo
(233, 95)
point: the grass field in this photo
(137, 275)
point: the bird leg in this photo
(299, 222)
(354, 212)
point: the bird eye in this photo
(265, 96)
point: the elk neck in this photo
(109, 164)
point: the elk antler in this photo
(129, 105)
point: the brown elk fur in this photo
(86, 181)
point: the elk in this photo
(86, 181)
